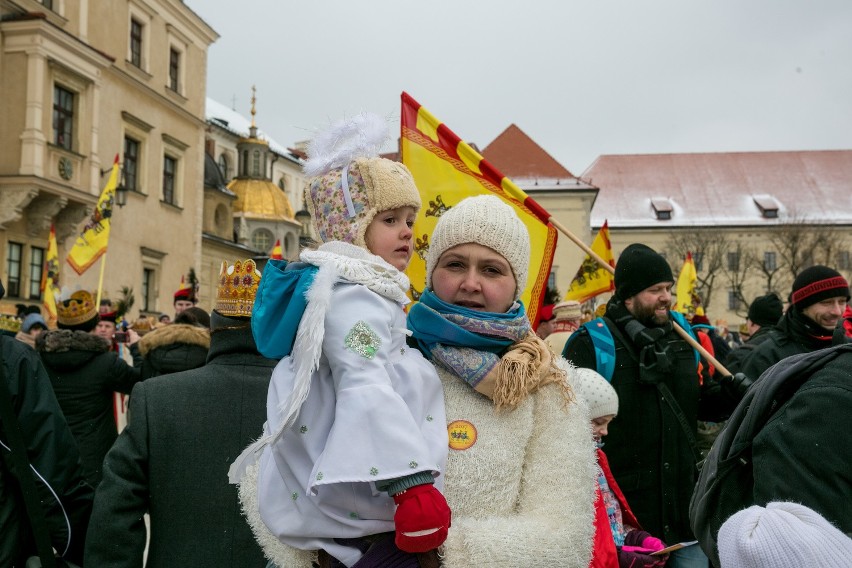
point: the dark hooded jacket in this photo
(735, 359)
(84, 373)
(65, 496)
(173, 348)
(795, 333)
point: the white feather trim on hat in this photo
(361, 136)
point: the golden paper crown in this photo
(237, 289)
(77, 309)
(10, 324)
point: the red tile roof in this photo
(722, 189)
(518, 156)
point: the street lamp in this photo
(121, 191)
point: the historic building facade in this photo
(82, 82)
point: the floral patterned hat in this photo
(350, 183)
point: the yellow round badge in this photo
(462, 434)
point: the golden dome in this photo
(261, 199)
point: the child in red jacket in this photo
(619, 541)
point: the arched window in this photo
(282, 183)
(261, 240)
(223, 167)
(220, 218)
(255, 164)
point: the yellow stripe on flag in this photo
(94, 238)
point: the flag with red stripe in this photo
(446, 170)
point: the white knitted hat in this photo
(488, 221)
(782, 535)
(597, 392)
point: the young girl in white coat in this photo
(351, 461)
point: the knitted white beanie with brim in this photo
(782, 535)
(596, 391)
(488, 221)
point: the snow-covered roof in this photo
(722, 189)
(235, 123)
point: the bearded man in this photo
(652, 442)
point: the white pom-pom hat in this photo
(782, 535)
(596, 391)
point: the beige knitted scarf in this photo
(526, 366)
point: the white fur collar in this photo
(358, 265)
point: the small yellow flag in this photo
(591, 279)
(93, 240)
(50, 275)
(688, 302)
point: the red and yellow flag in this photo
(446, 170)
(593, 279)
(277, 253)
(94, 238)
(50, 275)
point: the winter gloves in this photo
(735, 386)
(637, 549)
(422, 518)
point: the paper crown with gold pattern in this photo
(237, 289)
(10, 324)
(77, 309)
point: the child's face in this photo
(599, 426)
(389, 236)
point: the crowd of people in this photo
(316, 418)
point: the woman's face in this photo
(475, 277)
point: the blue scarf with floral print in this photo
(467, 342)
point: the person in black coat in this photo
(804, 453)
(652, 442)
(85, 372)
(65, 496)
(172, 459)
(763, 313)
(817, 302)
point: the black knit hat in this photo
(766, 310)
(816, 284)
(640, 267)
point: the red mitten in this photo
(422, 518)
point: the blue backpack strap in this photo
(604, 347)
(681, 320)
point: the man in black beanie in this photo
(652, 442)
(172, 460)
(763, 315)
(817, 301)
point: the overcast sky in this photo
(582, 78)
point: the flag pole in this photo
(101, 280)
(601, 262)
